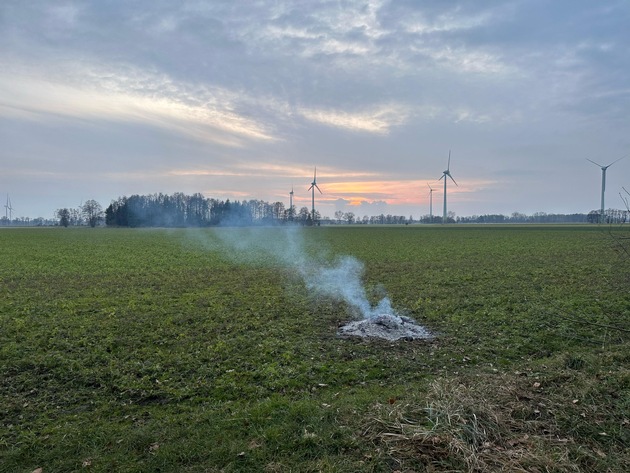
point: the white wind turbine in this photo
(444, 175)
(9, 209)
(291, 204)
(430, 203)
(312, 188)
(603, 168)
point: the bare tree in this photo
(93, 212)
(76, 216)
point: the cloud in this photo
(379, 120)
(98, 93)
(183, 96)
(464, 60)
(418, 22)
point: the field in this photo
(198, 351)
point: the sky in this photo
(242, 100)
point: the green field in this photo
(170, 351)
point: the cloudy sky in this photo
(242, 99)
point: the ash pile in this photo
(385, 326)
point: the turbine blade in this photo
(596, 164)
(320, 191)
(453, 180)
(615, 161)
(448, 167)
(310, 188)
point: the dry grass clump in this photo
(486, 423)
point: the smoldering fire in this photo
(339, 278)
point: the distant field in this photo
(189, 350)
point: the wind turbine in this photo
(430, 203)
(9, 209)
(312, 188)
(603, 168)
(291, 204)
(444, 175)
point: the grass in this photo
(156, 350)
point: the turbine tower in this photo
(444, 176)
(430, 203)
(603, 168)
(312, 188)
(291, 204)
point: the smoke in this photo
(342, 281)
(338, 278)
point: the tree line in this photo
(610, 216)
(90, 212)
(517, 217)
(181, 210)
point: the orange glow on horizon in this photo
(391, 192)
(337, 188)
(401, 192)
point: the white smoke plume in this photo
(339, 278)
(342, 281)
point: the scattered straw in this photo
(494, 423)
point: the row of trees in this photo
(517, 217)
(382, 219)
(26, 221)
(180, 210)
(177, 210)
(610, 216)
(90, 213)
